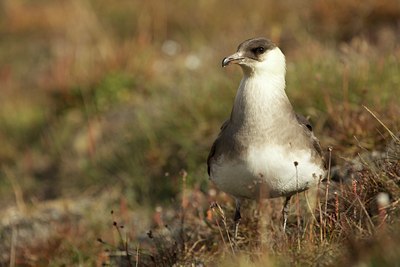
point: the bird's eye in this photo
(259, 50)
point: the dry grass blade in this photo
(216, 208)
(397, 139)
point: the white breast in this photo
(267, 172)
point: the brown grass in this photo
(97, 114)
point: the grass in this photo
(344, 223)
(103, 105)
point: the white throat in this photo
(261, 95)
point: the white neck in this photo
(259, 98)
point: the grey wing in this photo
(214, 147)
(310, 134)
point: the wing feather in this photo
(308, 130)
(214, 146)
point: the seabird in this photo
(265, 149)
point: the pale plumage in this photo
(264, 150)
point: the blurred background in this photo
(116, 98)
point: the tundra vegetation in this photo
(108, 111)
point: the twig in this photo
(366, 213)
(297, 206)
(124, 241)
(183, 207)
(336, 205)
(320, 211)
(327, 186)
(13, 246)
(19, 196)
(137, 255)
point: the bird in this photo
(264, 149)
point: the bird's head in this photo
(257, 56)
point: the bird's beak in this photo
(235, 58)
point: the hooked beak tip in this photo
(225, 62)
(235, 58)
